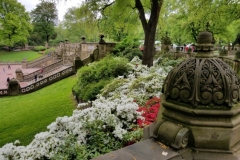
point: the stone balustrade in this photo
(48, 80)
(3, 92)
(38, 62)
(45, 70)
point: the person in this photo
(8, 80)
(3, 69)
(35, 77)
(9, 67)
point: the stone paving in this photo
(5, 73)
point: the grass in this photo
(21, 117)
(18, 56)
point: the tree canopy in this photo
(14, 23)
(44, 17)
(185, 19)
(148, 12)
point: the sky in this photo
(62, 6)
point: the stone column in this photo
(24, 63)
(19, 74)
(13, 87)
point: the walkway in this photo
(11, 74)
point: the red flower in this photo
(149, 111)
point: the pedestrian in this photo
(8, 80)
(9, 67)
(3, 69)
(35, 77)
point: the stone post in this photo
(24, 63)
(19, 74)
(26, 46)
(13, 87)
(77, 63)
(46, 45)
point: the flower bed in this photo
(115, 120)
(149, 112)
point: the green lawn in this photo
(21, 117)
(18, 56)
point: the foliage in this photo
(18, 56)
(223, 52)
(170, 62)
(129, 48)
(104, 70)
(184, 27)
(149, 111)
(34, 111)
(141, 82)
(14, 22)
(49, 50)
(91, 90)
(43, 18)
(110, 123)
(143, 7)
(79, 21)
(39, 48)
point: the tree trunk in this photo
(149, 28)
(149, 50)
(48, 36)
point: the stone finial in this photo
(203, 81)
(83, 39)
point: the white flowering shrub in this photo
(141, 82)
(108, 125)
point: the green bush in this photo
(237, 55)
(49, 50)
(39, 48)
(91, 90)
(170, 62)
(129, 48)
(103, 70)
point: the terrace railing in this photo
(46, 69)
(48, 80)
(37, 62)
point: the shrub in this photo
(223, 52)
(129, 48)
(49, 50)
(237, 55)
(91, 90)
(39, 48)
(103, 70)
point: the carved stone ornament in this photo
(203, 81)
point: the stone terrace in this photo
(11, 74)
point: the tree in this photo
(14, 23)
(44, 17)
(80, 21)
(191, 16)
(144, 7)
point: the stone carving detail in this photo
(205, 82)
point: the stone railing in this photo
(229, 60)
(11, 63)
(45, 70)
(3, 92)
(38, 61)
(48, 80)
